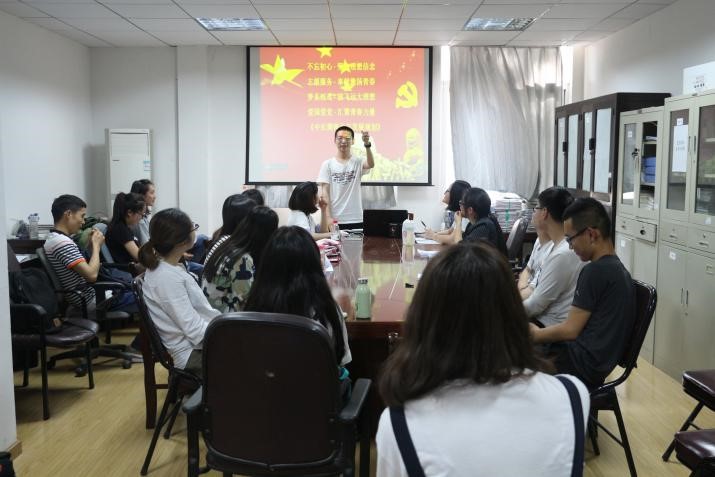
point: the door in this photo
(629, 153)
(572, 153)
(668, 352)
(702, 195)
(561, 152)
(588, 145)
(676, 144)
(699, 352)
(602, 155)
(647, 177)
(645, 269)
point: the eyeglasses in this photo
(343, 139)
(569, 240)
(539, 208)
(194, 226)
(461, 203)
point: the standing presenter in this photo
(340, 179)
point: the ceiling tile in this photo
(134, 2)
(305, 37)
(553, 24)
(172, 25)
(512, 11)
(535, 43)
(21, 10)
(245, 37)
(99, 25)
(520, 2)
(186, 38)
(149, 11)
(585, 10)
(485, 37)
(50, 23)
(129, 38)
(547, 35)
(58, 2)
(638, 11)
(377, 24)
(421, 43)
(300, 24)
(658, 2)
(439, 11)
(425, 35)
(451, 24)
(365, 37)
(366, 3)
(594, 2)
(75, 10)
(366, 11)
(213, 2)
(221, 11)
(592, 35)
(613, 24)
(83, 38)
(293, 11)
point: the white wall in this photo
(136, 88)
(46, 117)
(194, 100)
(650, 55)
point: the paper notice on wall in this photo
(680, 148)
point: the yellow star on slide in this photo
(325, 51)
(344, 67)
(281, 73)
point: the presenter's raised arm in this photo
(370, 162)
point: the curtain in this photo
(502, 113)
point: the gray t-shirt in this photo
(604, 288)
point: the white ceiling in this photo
(330, 22)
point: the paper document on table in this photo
(425, 241)
(427, 253)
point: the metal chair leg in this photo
(26, 369)
(688, 422)
(172, 418)
(45, 395)
(90, 375)
(155, 435)
(624, 439)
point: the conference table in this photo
(392, 272)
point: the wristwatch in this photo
(368, 144)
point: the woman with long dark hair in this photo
(303, 202)
(228, 272)
(175, 302)
(146, 189)
(475, 396)
(127, 213)
(235, 208)
(483, 225)
(451, 197)
(290, 279)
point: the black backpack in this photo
(32, 285)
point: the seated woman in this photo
(452, 196)
(256, 195)
(476, 398)
(483, 225)
(127, 213)
(175, 302)
(304, 201)
(290, 279)
(235, 208)
(228, 273)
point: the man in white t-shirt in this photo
(340, 178)
(554, 285)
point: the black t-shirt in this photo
(117, 235)
(604, 288)
(485, 229)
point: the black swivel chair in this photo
(515, 242)
(271, 404)
(100, 314)
(604, 398)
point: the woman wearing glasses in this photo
(176, 304)
(452, 196)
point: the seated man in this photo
(554, 284)
(591, 340)
(528, 276)
(71, 267)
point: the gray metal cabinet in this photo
(669, 333)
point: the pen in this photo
(423, 224)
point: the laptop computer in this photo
(383, 222)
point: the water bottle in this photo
(34, 220)
(363, 300)
(408, 230)
(335, 231)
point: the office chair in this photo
(271, 404)
(515, 242)
(696, 450)
(604, 398)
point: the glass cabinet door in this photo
(602, 156)
(646, 179)
(560, 154)
(678, 148)
(704, 200)
(572, 167)
(587, 159)
(630, 156)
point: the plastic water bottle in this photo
(408, 230)
(363, 300)
(34, 220)
(335, 231)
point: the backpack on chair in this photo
(33, 286)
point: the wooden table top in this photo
(392, 278)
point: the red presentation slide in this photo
(300, 95)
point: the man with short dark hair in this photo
(554, 283)
(592, 339)
(340, 178)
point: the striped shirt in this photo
(63, 254)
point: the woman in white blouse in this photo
(303, 202)
(176, 304)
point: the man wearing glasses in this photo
(591, 340)
(340, 178)
(551, 294)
